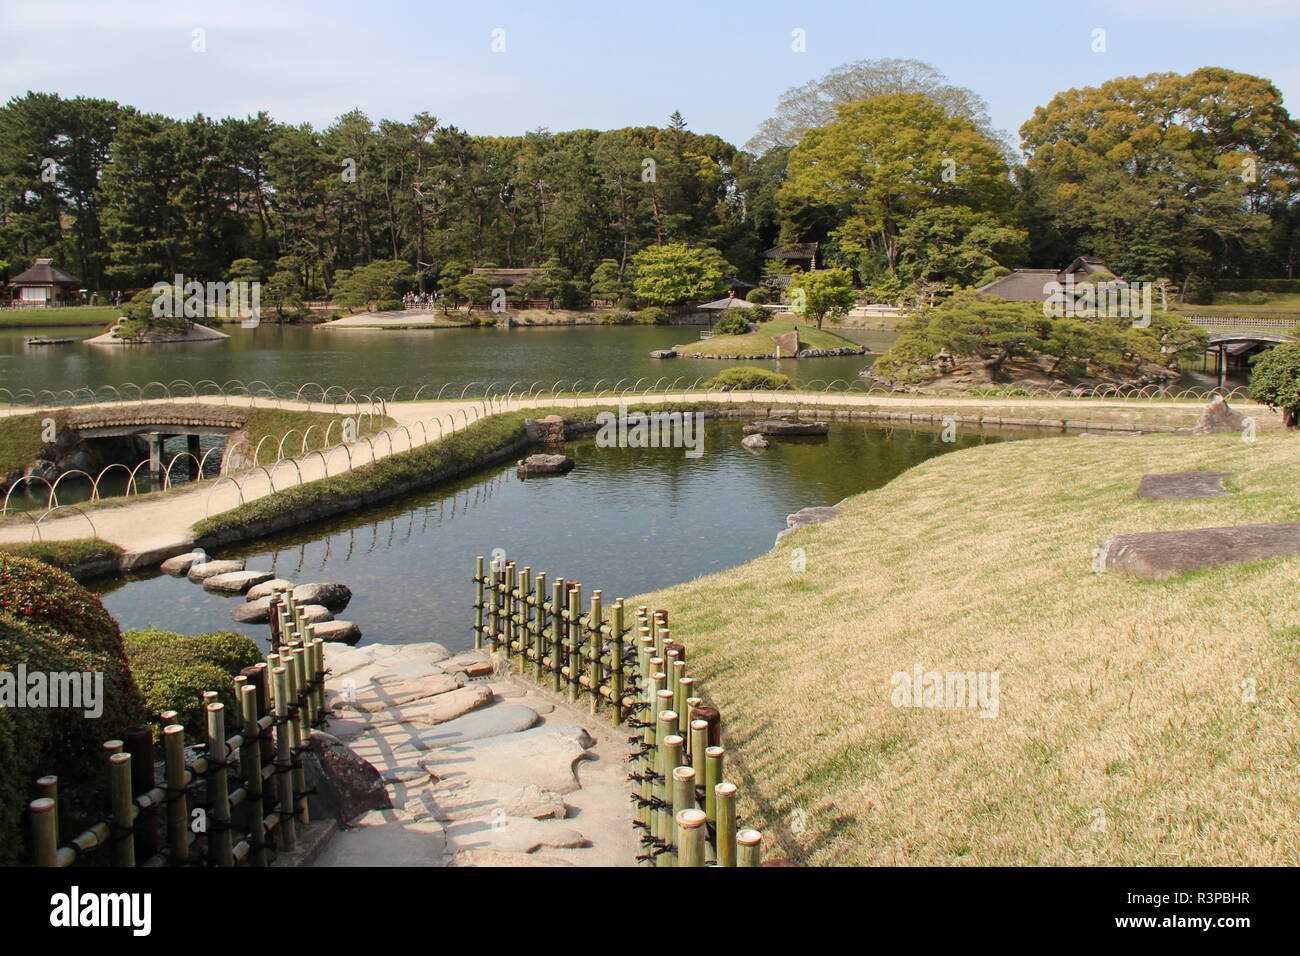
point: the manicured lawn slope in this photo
(1117, 696)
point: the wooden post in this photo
(478, 601)
(219, 786)
(616, 662)
(250, 765)
(750, 849)
(318, 668)
(690, 837)
(574, 641)
(596, 640)
(138, 742)
(725, 821)
(539, 626)
(178, 817)
(283, 758)
(45, 830)
(494, 572)
(119, 782)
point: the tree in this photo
(819, 294)
(676, 273)
(1275, 381)
(284, 289)
(888, 160)
(607, 281)
(474, 289)
(814, 104)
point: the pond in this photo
(358, 358)
(624, 520)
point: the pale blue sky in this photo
(605, 64)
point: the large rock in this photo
(1183, 484)
(236, 582)
(267, 588)
(468, 799)
(663, 353)
(755, 442)
(374, 697)
(480, 724)
(200, 571)
(333, 596)
(444, 707)
(180, 565)
(805, 517)
(1156, 555)
(345, 785)
(543, 756)
(544, 465)
(1218, 417)
(785, 426)
(544, 431)
(342, 632)
(787, 343)
(252, 612)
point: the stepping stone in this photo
(373, 698)
(1157, 555)
(406, 773)
(343, 632)
(415, 670)
(507, 835)
(543, 756)
(333, 596)
(267, 588)
(316, 614)
(488, 722)
(445, 707)
(1181, 485)
(481, 798)
(781, 426)
(236, 582)
(755, 442)
(252, 612)
(201, 571)
(180, 565)
(805, 517)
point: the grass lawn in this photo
(77, 315)
(753, 344)
(1125, 733)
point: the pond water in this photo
(624, 520)
(358, 358)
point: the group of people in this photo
(421, 300)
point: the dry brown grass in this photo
(1117, 695)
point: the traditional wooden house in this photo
(44, 284)
(1042, 285)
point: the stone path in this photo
(1181, 485)
(482, 768)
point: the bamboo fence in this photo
(242, 796)
(626, 667)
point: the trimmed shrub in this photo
(748, 378)
(174, 670)
(653, 315)
(389, 305)
(732, 325)
(759, 295)
(35, 592)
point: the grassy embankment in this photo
(71, 316)
(65, 555)
(1127, 733)
(762, 342)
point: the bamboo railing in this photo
(224, 807)
(633, 672)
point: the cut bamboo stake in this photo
(178, 818)
(123, 809)
(45, 831)
(250, 765)
(699, 744)
(478, 601)
(712, 776)
(672, 751)
(725, 822)
(283, 759)
(218, 785)
(691, 832)
(750, 851)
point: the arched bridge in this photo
(157, 423)
(1236, 346)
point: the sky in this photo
(503, 68)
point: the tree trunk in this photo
(1291, 417)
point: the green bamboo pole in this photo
(539, 626)
(750, 848)
(665, 723)
(699, 744)
(45, 830)
(250, 765)
(301, 691)
(684, 686)
(525, 617)
(283, 758)
(559, 632)
(691, 832)
(573, 649)
(683, 789)
(596, 641)
(672, 751)
(712, 776)
(494, 577)
(178, 818)
(616, 661)
(508, 596)
(318, 666)
(478, 601)
(725, 822)
(219, 785)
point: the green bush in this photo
(627, 303)
(1199, 291)
(758, 295)
(760, 313)
(748, 378)
(653, 315)
(33, 591)
(733, 324)
(1275, 381)
(174, 670)
(618, 317)
(389, 305)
